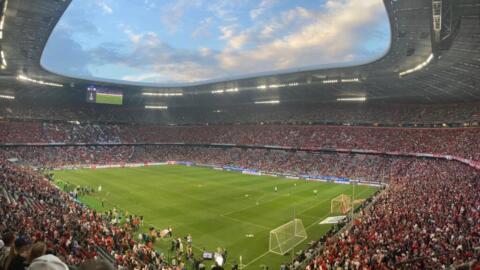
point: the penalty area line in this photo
(256, 259)
(245, 222)
(317, 222)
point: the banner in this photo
(251, 172)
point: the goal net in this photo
(341, 204)
(286, 237)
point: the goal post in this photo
(341, 204)
(286, 237)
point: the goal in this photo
(286, 237)
(341, 204)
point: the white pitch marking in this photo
(256, 259)
(245, 222)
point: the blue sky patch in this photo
(191, 41)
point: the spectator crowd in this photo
(355, 166)
(34, 211)
(370, 113)
(462, 142)
(427, 218)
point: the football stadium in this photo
(239, 134)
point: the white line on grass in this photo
(250, 206)
(315, 204)
(246, 222)
(307, 216)
(256, 259)
(316, 222)
(322, 201)
(274, 197)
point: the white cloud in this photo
(295, 38)
(135, 38)
(151, 59)
(141, 77)
(322, 37)
(149, 4)
(185, 71)
(261, 8)
(205, 51)
(237, 42)
(203, 29)
(225, 9)
(268, 30)
(172, 15)
(105, 7)
(140, 39)
(227, 31)
(179, 72)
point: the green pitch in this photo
(218, 208)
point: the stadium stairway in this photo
(29, 202)
(11, 197)
(4, 193)
(104, 255)
(39, 205)
(33, 204)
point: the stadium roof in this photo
(434, 57)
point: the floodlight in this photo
(329, 81)
(162, 94)
(268, 102)
(350, 80)
(418, 67)
(25, 78)
(2, 20)
(6, 97)
(353, 99)
(155, 107)
(4, 61)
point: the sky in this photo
(177, 42)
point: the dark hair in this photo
(8, 238)
(21, 243)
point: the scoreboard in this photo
(103, 95)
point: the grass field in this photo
(213, 206)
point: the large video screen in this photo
(102, 95)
